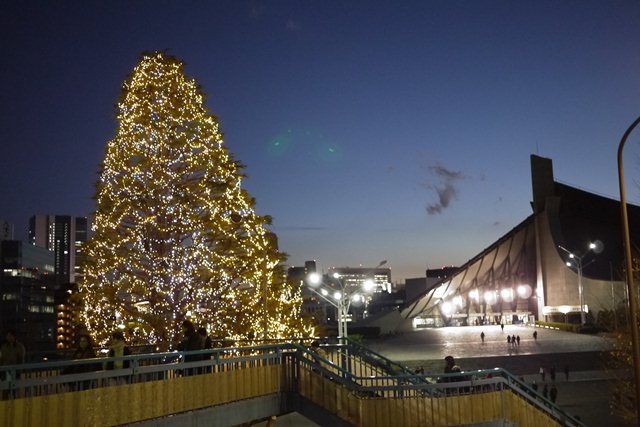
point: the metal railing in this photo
(360, 377)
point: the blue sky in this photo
(371, 131)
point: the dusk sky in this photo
(370, 130)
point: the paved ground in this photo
(587, 392)
(464, 342)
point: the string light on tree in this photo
(175, 235)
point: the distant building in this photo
(65, 236)
(437, 274)
(419, 285)
(6, 230)
(354, 278)
(563, 263)
(28, 294)
(383, 302)
(312, 305)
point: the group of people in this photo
(512, 340)
(12, 351)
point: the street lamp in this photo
(339, 297)
(576, 261)
(633, 296)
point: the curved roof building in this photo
(564, 263)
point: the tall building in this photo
(28, 294)
(6, 230)
(63, 235)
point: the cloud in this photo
(292, 25)
(446, 189)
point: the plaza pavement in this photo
(465, 342)
(586, 393)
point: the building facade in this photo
(563, 263)
(65, 236)
(28, 294)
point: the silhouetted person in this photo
(508, 339)
(191, 341)
(482, 336)
(502, 326)
(84, 350)
(12, 351)
(553, 393)
(206, 344)
(535, 335)
(450, 367)
(518, 339)
(207, 339)
(513, 340)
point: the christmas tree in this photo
(175, 236)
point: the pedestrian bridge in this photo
(335, 384)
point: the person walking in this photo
(502, 326)
(542, 373)
(535, 335)
(508, 339)
(513, 340)
(482, 336)
(553, 393)
(518, 339)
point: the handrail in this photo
(399, 381)
(368, 352)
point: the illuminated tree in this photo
(175, 235)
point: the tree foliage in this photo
(175, 235)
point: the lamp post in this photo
(339, 297)
(633, 296)
(577, 263)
